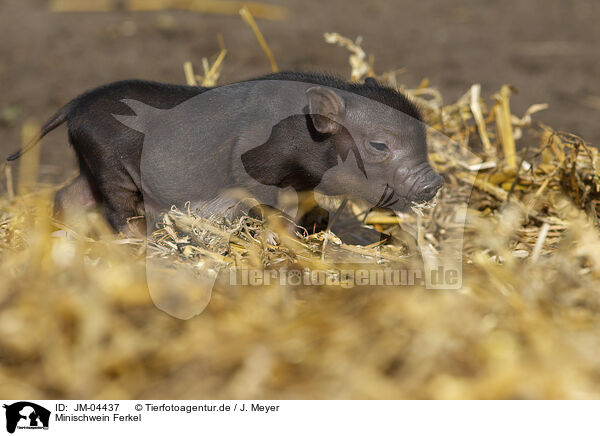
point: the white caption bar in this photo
(302, 417)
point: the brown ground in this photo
(548, 49)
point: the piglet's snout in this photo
(418, 186)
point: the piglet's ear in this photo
(326, 108)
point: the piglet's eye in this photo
(378, 146)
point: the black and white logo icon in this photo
(26, 415)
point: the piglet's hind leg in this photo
(77, 198)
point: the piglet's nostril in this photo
(429, 191)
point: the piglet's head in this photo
(380, 142)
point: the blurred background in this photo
(547, 49)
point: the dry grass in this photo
(76, 319)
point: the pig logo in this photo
(224, 159)
(26, 415)
(347, 160)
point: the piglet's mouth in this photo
(388, 198)
(391, 200)
(418, 206)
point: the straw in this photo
(247, 16)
